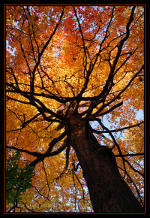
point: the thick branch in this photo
(35, 154)
(41, 158)
(53, 142)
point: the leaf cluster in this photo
(18, 179)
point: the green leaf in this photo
(18, 180)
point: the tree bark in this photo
(107, 189)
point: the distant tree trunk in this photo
(107, 189)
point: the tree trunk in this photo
(107, 189)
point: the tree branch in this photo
(129, 155)
(108, 111)
(117, 130)
(109, 83)
(49, 96)
(24, 124)
(53, 142)
(42, 51)
(35, 154)
(80, 29)
(124, 89)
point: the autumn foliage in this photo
(88, 60)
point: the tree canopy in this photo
(85, 59)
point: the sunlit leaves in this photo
(89, 37)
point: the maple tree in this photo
(74, 85)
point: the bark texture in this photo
(108, 191)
